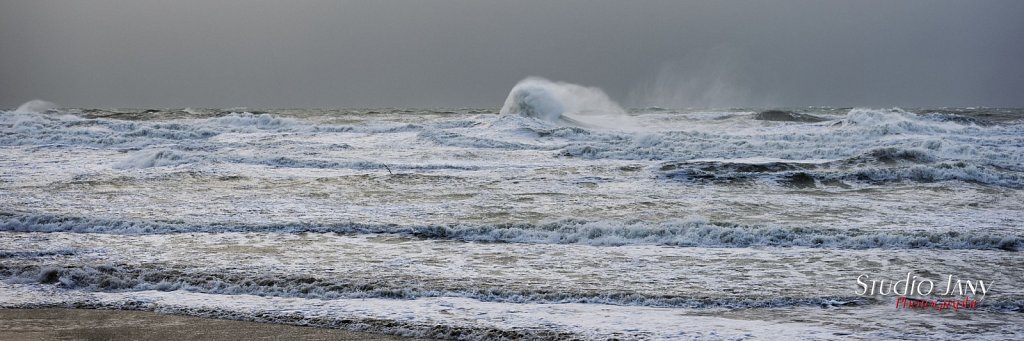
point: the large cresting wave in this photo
(561, 102)
(37, 106)
(691, 232)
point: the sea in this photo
(558, 215)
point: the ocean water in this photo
(559, 215)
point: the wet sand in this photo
(87, 324)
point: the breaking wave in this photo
(258, 121)
(877, 166)
(123, 277)
(34, 254)
(293, 162)
(567, 103)
(29, 128)
(37, 106)
(858, 131)
(695, 232)
(154, 158)
(786, 116)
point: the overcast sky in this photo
(216, 53)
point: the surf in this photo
(37, 106)
(563, 103)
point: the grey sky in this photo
(202, 53)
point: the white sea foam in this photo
(563, 102)
(861, 130)
(694, 232)
(445, 317)
(734, 138)
(250, 120)
(109, 277)
(154, 158)
(473, 319)
(507, 212)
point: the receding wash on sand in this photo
(94, 324)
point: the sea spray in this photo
(37, 106)
(564, 103)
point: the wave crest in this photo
(693, 232)
(37, 106)
(154, 158)
(557, 101)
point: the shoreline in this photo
(97, 324)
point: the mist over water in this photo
(715, 83)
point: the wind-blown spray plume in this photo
(37, 106)
(560, 102)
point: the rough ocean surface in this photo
(588, 223)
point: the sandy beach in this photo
(87, 324)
